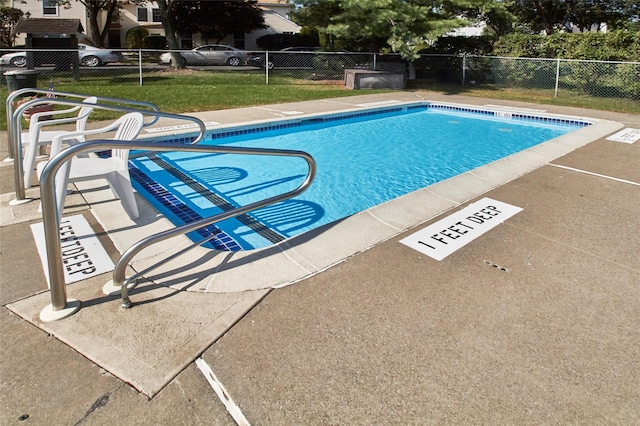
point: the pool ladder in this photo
(60, 306)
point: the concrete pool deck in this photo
(534, 322)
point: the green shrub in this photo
(628, 77)
(524, 73)
(518, 45)
(619, 45)
(135, 37)
(586, 77)
(481, 45)
(436, 63)
(154, 42)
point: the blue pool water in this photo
(362, 161)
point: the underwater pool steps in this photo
(250, 222)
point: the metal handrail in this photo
(15, 94)
(15, 131)
(59, 307)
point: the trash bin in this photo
(21, 80)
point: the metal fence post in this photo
(557, 78)
(266, 66)
(140, 65)
(464, 68)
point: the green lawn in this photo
(191, 91)
(573, 99)
(195, 91)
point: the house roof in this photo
(279, 23)
(49, 26)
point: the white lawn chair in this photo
(36, 137)
(114, 169)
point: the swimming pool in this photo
(364, 158)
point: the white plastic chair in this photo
(114, 169)
(36, 137)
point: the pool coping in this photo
(305, 255)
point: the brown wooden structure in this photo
(51, 42)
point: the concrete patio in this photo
(534, 322)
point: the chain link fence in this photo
(558, 77)
(565, 78)
(138, 65)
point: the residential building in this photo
(276, 14)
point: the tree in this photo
(399, 24)
(587, 14)
(368, 24)
(550, 16)
(495, 14)
(215, 20)
(402, 25)
(542, 15)
(164, 7)
(316, 15)
(9, 17)
(95, 8)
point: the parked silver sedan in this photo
(209, 54)
(89, 56)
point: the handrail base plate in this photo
(49, 315)
(110, 289)
(16, 202)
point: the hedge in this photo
(619, 45)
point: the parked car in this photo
(210, 54)
(290, 57)
(300, 49)
(307, 58)
(89, 56)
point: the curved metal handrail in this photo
(15, 130)
(15, 94)
(59, 307)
